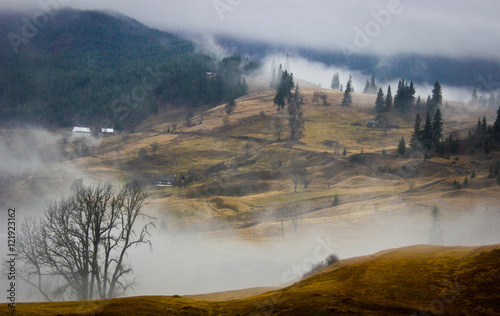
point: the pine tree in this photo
(491, 100)
(411, 94)
(418, 104)
(336, 201)
(367, 87)
(335, 82)
(436, 237)
(479, 127)
(244, 86)
(405, 96)
(437, 127)
(427, 133)
(487, 148)
(274, 81)
(295, 117)
(475, 99)
(347, 99)
(379, 103)
(496, 125)
(416, 135)
(284, 90)
(373, 86)
(388, 99)
(428, 103)
(402, 146)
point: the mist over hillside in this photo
(480, 73)
(254, 168)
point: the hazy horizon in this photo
(447, 28)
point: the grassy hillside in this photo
(240, 173)
(247, 169)
(240, 183)
(411, 281)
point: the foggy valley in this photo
(227, 133)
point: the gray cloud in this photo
(460, 28)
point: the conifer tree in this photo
(405, 96)
(475, 99)
(347, 99)
(496, 125)
(437, 97)
(437, 127)
(418, 104)
(436, 237)
(416, 135)
(388, 99)
(491, 100)
(373, 86)
(336, 201)
(284, 90)
(367, 87)
(428, 103)
(295, 117)
(427, 132)
(379, 103)
(335, 85)
(402, 146)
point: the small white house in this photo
(81, 131)
(107, 131)
(372, 124)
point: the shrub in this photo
(331, 259)
(314, 268)
(336, 201)
(220, 204)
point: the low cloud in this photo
(444, 28)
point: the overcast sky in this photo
(435, 27)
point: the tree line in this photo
(110, 73)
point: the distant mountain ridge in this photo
(477, 73)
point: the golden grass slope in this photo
(416, 280)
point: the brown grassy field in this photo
(406, 281)
(377, 189)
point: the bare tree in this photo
(278, 127)
(282, 218)
(154, 147)
(324, 98)
(436, 236)
(295, 117)
(298, 171)
(77, 249)
(229, 107)
(294, 218)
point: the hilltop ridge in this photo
(411, 280)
